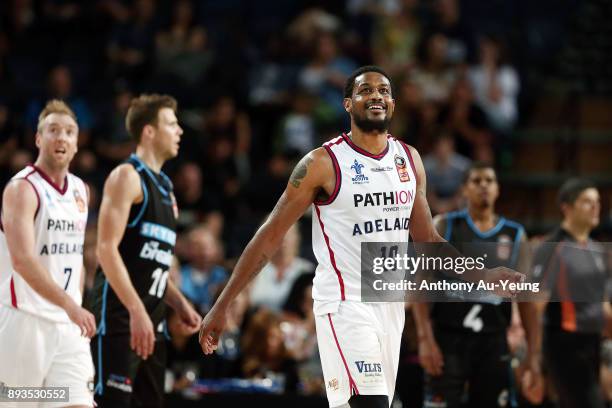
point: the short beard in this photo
(368, 125)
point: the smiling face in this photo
(371, 105)
(57, 139)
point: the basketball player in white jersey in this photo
(365, 186)
(43, 328)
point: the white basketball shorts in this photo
(359, 345)
(35, 352)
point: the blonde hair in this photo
(54, 106)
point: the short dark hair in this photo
(477, 165)
(144, 111)
(572, 188)
(350, 82)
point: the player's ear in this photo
(37, 137)
(148, 131)
(348, 104)
(391, 106)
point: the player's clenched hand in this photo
(505, 280)
(82, 318)
(142, 335)
(212, 327)
(430, 356)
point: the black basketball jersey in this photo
(502, 247)
(147, 249)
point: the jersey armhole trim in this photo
(338, 174)
(36, 191)
(407, 149)
(143, 205)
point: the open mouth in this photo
(377, 107)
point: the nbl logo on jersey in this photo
(359, 178)
(402, 170)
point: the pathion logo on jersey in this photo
(359, 178)
(151, 251)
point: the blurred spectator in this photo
(395, 39)
(202, 276)
(8, 140)
(298, 327)
(228, 352)
(304, 31)
(131, 45)
(298, 133)
(229, 133)
(467, 123)
(181, 50)
(193, 203)
(298, 316)
(449, 22)
(496, 85)
(272, 285)
(60, 86)
(445, 169)
(113, 143)
(325, 74)
(264, 352)
(434, 76)
(414, 119)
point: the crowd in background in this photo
(259, 84)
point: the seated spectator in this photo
(433, 75)
(265, 354)
(229, 140)
(326, 73)
(298, 316)
(271, 287)
(445, 169)
(113, 143)
(131, 46)
(496, 85)
(60, 86)
(396, 37)
(298, 133)
(8, 140)
(190, 196)
(181, 50)
(467, 123)
(202, 276)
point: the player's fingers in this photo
(150, 343)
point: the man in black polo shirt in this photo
(573, 270)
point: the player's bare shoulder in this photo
(124, 182)
(19, 195)
(314, 169)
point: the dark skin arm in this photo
(422, 229)
(313, 175)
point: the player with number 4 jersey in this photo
(462, 345)
(136, 238)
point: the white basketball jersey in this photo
(372, 202)
(59, 228)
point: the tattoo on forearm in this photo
(300, 172)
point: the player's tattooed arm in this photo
(300, 171)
